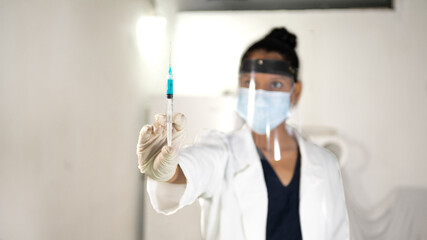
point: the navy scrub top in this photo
(283, 220)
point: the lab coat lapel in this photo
(251, 190)
(312, 189)
(249, 184)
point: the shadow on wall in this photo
(401, 215)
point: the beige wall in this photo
(70, 91)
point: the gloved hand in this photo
(155, 158)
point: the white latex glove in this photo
(155, 158)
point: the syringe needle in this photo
(170, 52)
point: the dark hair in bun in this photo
(283, 35)
(279, 40)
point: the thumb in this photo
(179, 121)
(165, 164)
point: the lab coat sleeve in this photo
(203, 165)
(338, 226)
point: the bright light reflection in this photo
(151, 33)
(277, 155)
(251, 100)
(267, 133)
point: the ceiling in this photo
(224, 5)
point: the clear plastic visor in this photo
(263, 102)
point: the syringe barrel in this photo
(170, 85)
(169, 115)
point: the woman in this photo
(263, 181)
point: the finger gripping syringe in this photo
(169, 106)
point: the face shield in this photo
(264, 100)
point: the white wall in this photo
(363, 73)
(71, 81)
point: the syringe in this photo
(169, 104)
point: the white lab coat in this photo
(225, 173)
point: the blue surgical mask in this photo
(263, 110)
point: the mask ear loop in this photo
(293, 111)
(290, 95)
